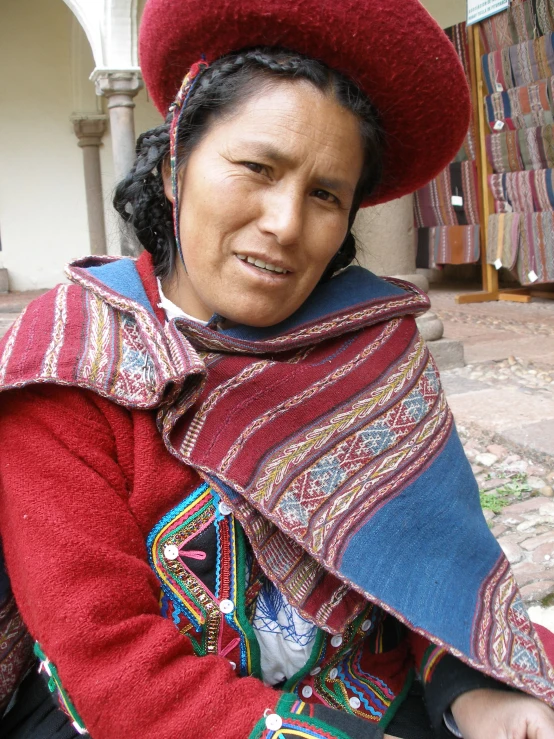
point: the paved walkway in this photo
(503, 402)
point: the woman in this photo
(228, 468)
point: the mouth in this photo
(263, 266)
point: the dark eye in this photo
(324, 195)
(254, 167)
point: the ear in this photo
(166, 177)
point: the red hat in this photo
(396, 53)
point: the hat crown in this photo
(393, 50)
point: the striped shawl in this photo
(328, 435)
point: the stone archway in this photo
(111, 29)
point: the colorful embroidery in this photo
(55, 686)
(340, 679)
(214, 621)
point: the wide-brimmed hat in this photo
(396, 53)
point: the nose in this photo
(283, 215)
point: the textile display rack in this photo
(491, 290)
(495, 203)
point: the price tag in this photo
(457, 201)
(533, 276)
(499, 87)
(499, 125)
(508, 208)
(498, 264)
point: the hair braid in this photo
(140, 198)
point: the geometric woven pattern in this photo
(329, 438)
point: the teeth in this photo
(262, 265)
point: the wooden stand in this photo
(491, 290)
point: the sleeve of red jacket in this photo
(77, 563)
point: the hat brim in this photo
(396, 53)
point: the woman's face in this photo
(264, 205)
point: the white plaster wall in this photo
(45, 62)
(42, 207)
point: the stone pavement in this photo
(503, 402)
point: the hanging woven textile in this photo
(546, 138)
(501, 111)
(525, 68)
(534, 107)
(544, 56)
(535, 262)
(543, 16)
(532, 148)
(425, 257)
(542, 186)
(503, 151)
(513, 191)
(450, 199)
(454, 245)
(523, 20)
(447, 245)
(497, 32)
(503, 234)
(458, 36)
(497, 70)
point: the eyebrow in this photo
(268, 152)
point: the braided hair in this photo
(140, 198)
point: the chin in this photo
(253, 317)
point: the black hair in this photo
(140, 199)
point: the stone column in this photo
(387, 236)
(89, 129)
(120, 87)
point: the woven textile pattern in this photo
(492, 641)
(497, 32)
(542, 185)
(503, 151)
(523, 20)
(521, 107)
(503, 239)
(16, 649)
(433, 203)
(513, 191)
(337, 439)
(459, 38)
(497, 70)
(536, 255)
(531, 148)
(543, 16)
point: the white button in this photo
(307, 691)
(333, 673)
(226, 606)
(336, 641)
(355, 702)
(224, 509)
(315, 671)
(233, 665)
(171, 552)
(273, 722)
(366, 625)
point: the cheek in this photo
(326, 238)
